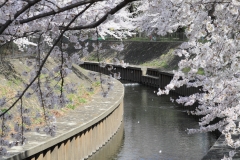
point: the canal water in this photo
(154, 128)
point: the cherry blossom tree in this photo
(46, 28)
(212, 28)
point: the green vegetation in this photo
(82, 100)
(200, 70)
(92, 57)
(3, 109)
(156, 63)
(96, 84)
(147, 39)
(14, 81)
(38, 121)
(9, 89)
(162, 62)
(7, 49)
(138, 39)
(70, 106)
(186, 70)
(167, 38)
(82, 95)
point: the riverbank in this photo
(158, 79)
(152, 54)
(12, 81)
(80, 133)
(81, 128)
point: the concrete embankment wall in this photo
(148, 76)
(79, 134)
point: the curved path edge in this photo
(79, 134)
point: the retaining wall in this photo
(79, 134)
(148, 76)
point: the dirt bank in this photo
(12, 80)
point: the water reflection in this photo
(154, 129)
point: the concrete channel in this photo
(85, 130)
(155, 78)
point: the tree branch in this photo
(44, 60)
(101, 20)
(8, 22)
(3, 3)
(59, 11)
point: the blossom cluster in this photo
(57, 29)
(212, 29)
(60, 29)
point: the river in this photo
(154, 128)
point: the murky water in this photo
(154, 129)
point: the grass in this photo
(8, 90)
(92, 57)
(138, 39)
(200, 70)
(156, 63)
(96, 84)
(81, 96)
(162, 62)
(11, 84)
(70, 106)
(147, 39)
(3, 109)
(38, 121)
(14, 81)
(82, 100)
(186, 70)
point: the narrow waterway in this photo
(155, 129)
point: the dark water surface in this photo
(154, 129)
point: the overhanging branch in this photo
(44, 61)
(8, 22)
(101, 20)
(58, 11)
